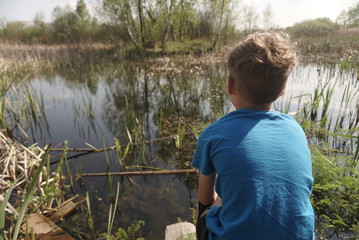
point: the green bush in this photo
(313, 28)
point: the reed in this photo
(119, 152)
(90, 219)
(27, 198)
(41, 58)
(179, 138)
(159, 120)
(29, 193)
(107, 160)
(69, 173)
(341, 45)
(143, 154)
(112, 211)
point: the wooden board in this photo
(45, 229)
(63, 211)
(179, 231)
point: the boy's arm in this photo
(206, 193)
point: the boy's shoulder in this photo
(244, 118)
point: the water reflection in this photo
(132, 104)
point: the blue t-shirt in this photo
(264, 176)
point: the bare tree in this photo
(139, 8)
(342, 19)
(219, 27)
(250, 18)
(169, 24)
(267, 18)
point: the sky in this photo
(285, 12)
(288, 12)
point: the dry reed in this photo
(17, 165)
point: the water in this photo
(96, 107)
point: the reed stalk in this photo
(90, 219)
(30, 191)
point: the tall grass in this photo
(21, 111)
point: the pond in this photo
(160, 114)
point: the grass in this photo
(335, 194)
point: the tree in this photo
(352, 16)
(15, 30)
(140, 15)
(2, 26)
(119, 14)
(39, 28)
(342, 19)
(267, 17)
(81, 10)
(66, 24)
(184, 16)
(168, 25)
(250, 18)
(219, 27)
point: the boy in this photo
(257, 159)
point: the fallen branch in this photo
(86, 151)
(139, 173)
(110, 148)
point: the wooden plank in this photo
(63, 211)
(56, 235)
(43, 228)
(183, 230)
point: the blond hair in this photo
(260, 66)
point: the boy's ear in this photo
(231, 86)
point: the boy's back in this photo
(264, 177)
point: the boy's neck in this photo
(239, 103)
(266, 107)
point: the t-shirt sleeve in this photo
(201, 158)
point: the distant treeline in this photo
(148, 24)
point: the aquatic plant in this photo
(90, 219)
(335, 195)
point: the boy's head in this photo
(260, 66)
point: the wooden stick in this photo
(139, 173)
(82, 149)
(86, 151)
(112, 147)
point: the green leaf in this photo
(2, 211)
